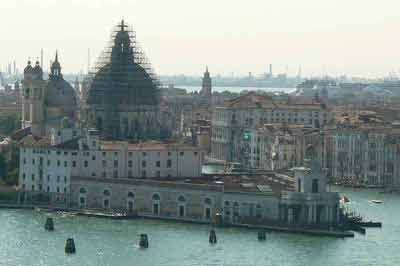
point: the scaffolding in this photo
(122, 74)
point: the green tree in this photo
(9, 123)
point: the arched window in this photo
(82, 190)
(106, 192)
(131, 195)
(156, 197)
(181, 199)
(207, 201)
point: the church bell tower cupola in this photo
(55, 70)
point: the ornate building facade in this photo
(232, 122)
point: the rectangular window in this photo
(130, 154)
(158, 164)
(315, 186)
(104, 163)
(169, 163)
(130, 164)
(144, 173)
(158, 173)
(115, 174)
(33, 177)
(143, 163)
(93, 158)
(33, 161)
(115, 163)
(65, 164)
(86, 164)
(48, 162)
(73, 163)
(208, 213)
(181, 153)
(58, 163)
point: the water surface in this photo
(109, 242)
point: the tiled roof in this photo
(253, 100)
(155, 146)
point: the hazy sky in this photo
(356, 37)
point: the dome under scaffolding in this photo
(123, 74)
(123, 98)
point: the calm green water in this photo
(107, 242)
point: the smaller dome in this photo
(37, 71)
(28, 68)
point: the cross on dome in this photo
(122, 25)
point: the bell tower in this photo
(206, 85)
(33, 94)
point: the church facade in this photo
(45, 103)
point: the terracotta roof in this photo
(253, 100)
(32, 141)
(21, 133)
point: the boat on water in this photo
(376, 201)
(344, 199)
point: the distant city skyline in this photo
(324, 37)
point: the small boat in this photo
(377, 201)
(344, 199)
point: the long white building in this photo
(48, 164)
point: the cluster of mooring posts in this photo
(213, 237)
(143, 241)
(262, 236)
(69, 244)
(49, 225)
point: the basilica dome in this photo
(59, 93)
(123, 77)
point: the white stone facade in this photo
(48, 166)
